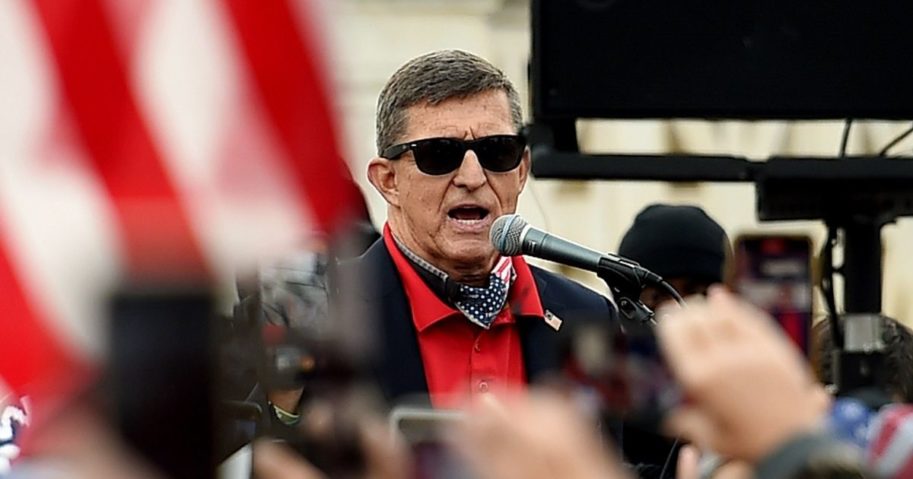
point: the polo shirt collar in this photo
(427, 307)
(430, 304)
(524, 299)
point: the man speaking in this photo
(454, 318)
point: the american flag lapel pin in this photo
(552, 320)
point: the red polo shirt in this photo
(460, 358)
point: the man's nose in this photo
(470, 174)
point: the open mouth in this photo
(468, 214)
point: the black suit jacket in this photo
(397, 364)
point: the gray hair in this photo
(433, 78)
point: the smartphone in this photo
(774, 273)
(423, 429)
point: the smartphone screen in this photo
(773, 272)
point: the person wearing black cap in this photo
(682, 244)
(689, 250)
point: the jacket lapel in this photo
(398, 366)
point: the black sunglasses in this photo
(439, 156)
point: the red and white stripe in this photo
(149, 138)
(890, 451)
(504, 269)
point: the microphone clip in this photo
(626, 285)
(634, 312)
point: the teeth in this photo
(466, 222)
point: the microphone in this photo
(511, 235)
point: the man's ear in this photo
(524, 167)
(382, 174)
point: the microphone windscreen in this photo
(505, 234)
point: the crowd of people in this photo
(450, 324)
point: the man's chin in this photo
(479, 257)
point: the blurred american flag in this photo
(150, 139)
